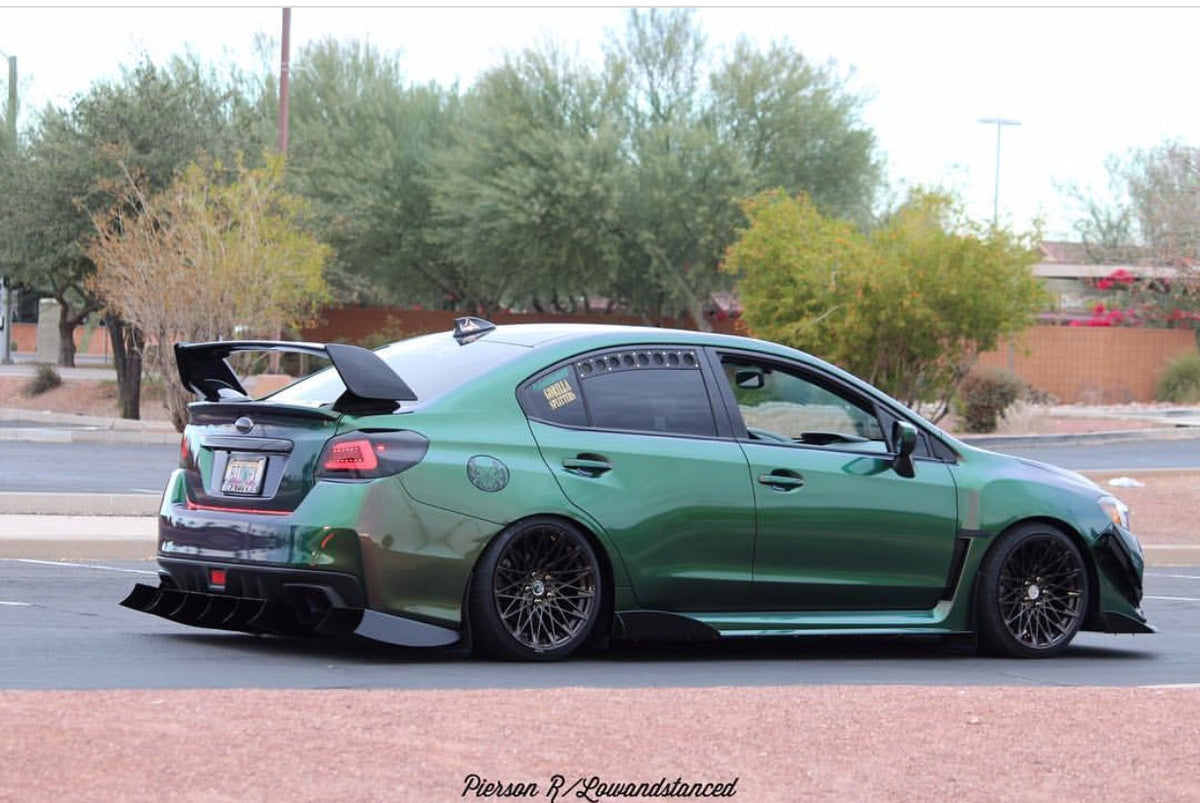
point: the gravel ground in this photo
(778, 744)
(1163, 510)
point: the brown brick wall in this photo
(1092, 365)
(96, 342)
(356, 324)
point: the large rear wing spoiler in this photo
(204, 370)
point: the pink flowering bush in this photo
(1150, 301)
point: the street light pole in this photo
(999, 122)
(6, 323)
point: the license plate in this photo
(244, 476)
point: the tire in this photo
(1032, 593)
(537, 592)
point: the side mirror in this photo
(749, 379)
(904, 441)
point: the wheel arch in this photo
(604, 623)
(1089, 562)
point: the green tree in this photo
(700, 138)
(908, 307)
(219, 252)
(361, 143)
(527, 198)
(155, 120)
(797, 128)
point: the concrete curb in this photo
(46, 427)
(1082, 438)
(65, 504)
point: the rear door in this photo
(631, 436)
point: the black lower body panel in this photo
(278, 601)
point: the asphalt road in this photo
(103, 468)
(140, 468)
(62, 628)
(1121, 455)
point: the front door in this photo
(838, 528)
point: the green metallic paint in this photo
(855, 535)
(681, 536)
(679, 511)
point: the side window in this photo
(636, 390)
(554, 398)
(779, 405)
(665, 400)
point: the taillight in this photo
(184, 452)
(355, 455)
(368, 455)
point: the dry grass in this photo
(81, 397)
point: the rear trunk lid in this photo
(253, 457)
(244, 455)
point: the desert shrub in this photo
(984, 397)
(1037, 396)
(45, 379)
(1180, 382)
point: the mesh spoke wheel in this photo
(540, 594)
(1035, 593)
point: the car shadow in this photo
(793, 649)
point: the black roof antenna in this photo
(469, 329)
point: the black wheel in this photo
(537, 592)
(1033, 593)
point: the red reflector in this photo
(216, 577)
(351, 456)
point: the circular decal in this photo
(487, 473)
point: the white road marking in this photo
(17, 604)
(1172, 686)
(1174, 576)
(76, 565)
(1175, 599)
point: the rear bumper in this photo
(403, 557)
(278, 601)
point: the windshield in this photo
(430, 365)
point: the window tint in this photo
(554, 397)
(781, 405)
(668, 400)
(636, 390)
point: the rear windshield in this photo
(430, 365)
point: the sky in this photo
(1083, 82)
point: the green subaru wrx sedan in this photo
(526, 490)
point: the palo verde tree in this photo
(361, 146)
(702, 136)
(908, 307)
(527, 198)
(220, 250)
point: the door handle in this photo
(587, 465)
(782, 480)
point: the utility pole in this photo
(6, 322)
(285, 56)
(284, 69)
